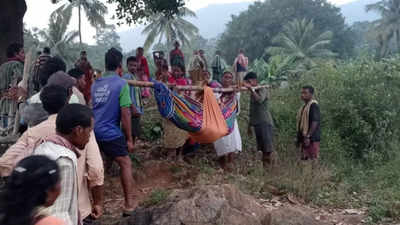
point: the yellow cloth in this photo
(303, 117)
(173, 136)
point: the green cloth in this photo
(259, 112)
(124, 97)
(218, 67)
(11, 74)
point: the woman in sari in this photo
(232, 143)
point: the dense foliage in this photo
(255, 28)
(136, 11)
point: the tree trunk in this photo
(398, 40)
(11, 24)
(80, 22)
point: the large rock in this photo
(214, 205)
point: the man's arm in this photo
(259, 96)
(95, 175)
(125, 104)
(315, 119)
(98, 200)
(14, 154)
(127, 126)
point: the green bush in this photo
(359, 109)
(360, 130)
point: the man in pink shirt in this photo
(90, 164)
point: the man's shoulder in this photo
(54, 151)
(10, 65)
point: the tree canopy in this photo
(137, 11)
(388, 26)
(170, 28)
(254, 29)
(299, 41)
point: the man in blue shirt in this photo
(112, 107)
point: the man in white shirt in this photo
(74, 124)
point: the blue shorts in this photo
(114, 148)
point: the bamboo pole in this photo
(192, 88)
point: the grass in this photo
(337, 182)
(156, 197)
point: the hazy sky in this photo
(38, 14)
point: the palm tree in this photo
(171, 28)
(300, 42)
(94, 10)
(57, 36)
(388, 26)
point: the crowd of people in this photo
(76, 123)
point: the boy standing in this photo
(260, 118)
(136, 97)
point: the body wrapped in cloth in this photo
(205, 122)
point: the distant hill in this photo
(355, 11)
(212, 20)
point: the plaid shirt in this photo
(10, 74)
(66, 205)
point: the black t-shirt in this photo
(315, 116)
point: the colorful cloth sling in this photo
(206, 122)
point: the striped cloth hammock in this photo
(188, 114)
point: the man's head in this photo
(251, 78)
(227, 79)
(201, 52)
(83, 54)
(79, 75)
(307, 93)
(75, 122)
(46, 50)
(132, 64)
(62, 79)
(178, 71)
(52, 66)
(218, 52)
(176, 44)
(241, 51)
(54, 98)
(139, 52)
(113, 60)
(195, 52)
(16, 50)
